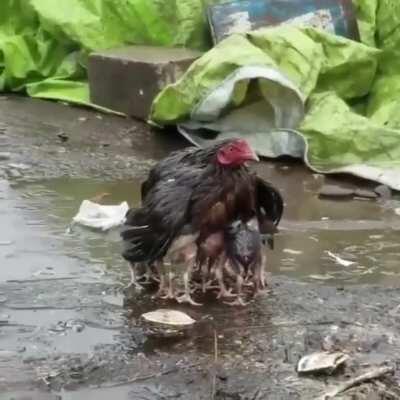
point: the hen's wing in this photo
(150, 230)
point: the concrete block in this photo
(129, 78)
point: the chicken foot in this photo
(223, 291)
(162, 283)
(186, 297)
(133, 284)
(259, 276)
(239, 299)
(170, 294)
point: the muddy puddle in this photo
(333, 242)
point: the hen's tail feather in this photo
(270, 200)
(130, 232)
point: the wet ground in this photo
(68, 332)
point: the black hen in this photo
(191, 195)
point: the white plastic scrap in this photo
(291, 251)
(397, 211)
(99, 216)
(318, 362)
(168, 317)
(339, 260)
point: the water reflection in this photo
(363, 232)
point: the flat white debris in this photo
(323, 361)
(101, 217)
(168, 317)
(340, 260)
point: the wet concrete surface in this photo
(68, 332)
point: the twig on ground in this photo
(146, 377)
(60, 278)
(370, 375)
(214, 377)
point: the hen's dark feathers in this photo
(150, 230)
(174, 193)
(269, 204)
(200, 157)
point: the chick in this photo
(244, 251)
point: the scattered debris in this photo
(291, 251)
(82, 119)
(6, 354)
(335, 191)
(62, 326)
(340, 260)
(397, 211)
(13, 173)
(319, 277)
(4, 156)
(321, 362)
(62, 136)
(365, 193)
(19, 166)
(338, 191)
(368, 376)
(42, 272)
(97, 216)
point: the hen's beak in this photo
(252, 156)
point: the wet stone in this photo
(128, 79)
(4, 156)
(383, 191)
(366, 194)
(13, 173)
(335, 191)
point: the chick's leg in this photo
(170, 294)
(263, 266)
(223, 291)
(259, 275)
(186, 297)
(239, 285)
(134, 284)
(161, 286)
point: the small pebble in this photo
(7, 354)
(5, 156)
(19, 166)
(63, 136)
(78, 328)
(13, 173)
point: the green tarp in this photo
(44, 43)
(289, 90)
